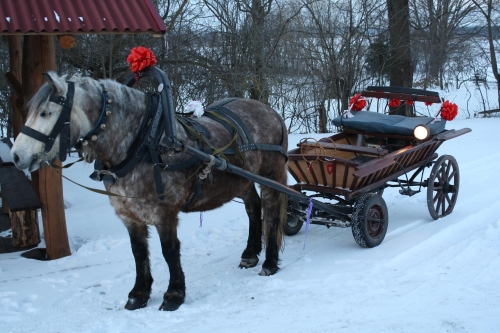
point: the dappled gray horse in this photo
(111, 119)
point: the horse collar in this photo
(103, 118)
(61, 126)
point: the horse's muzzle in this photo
(24, 161)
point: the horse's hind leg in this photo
(139, 295)
(274, 206)
(251, 198)
(171, 246)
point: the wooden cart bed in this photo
(354, 162)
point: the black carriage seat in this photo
(373, 122)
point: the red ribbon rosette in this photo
(428, 103)
(139, 58)
(357, 102)
(394, 103)
(410, 102)
(449, 110)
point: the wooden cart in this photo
(351, 169)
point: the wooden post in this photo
(15, 53)
(39, 57)
(25, 230)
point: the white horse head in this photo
(30, 148)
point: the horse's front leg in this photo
(171, 246)
(139, 295)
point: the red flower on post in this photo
(410, 103)
(449, 110)
(394, 103)
(357, 102)
(139, 58)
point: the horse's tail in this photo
(283, 204)
(282, 216)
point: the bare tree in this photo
(490, 11)
(439, 32)
(335, 39)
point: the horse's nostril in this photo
(16, 158)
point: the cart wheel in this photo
(293, 225)
(369, 220)
(442, 186)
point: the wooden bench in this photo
(21, 202)
(488, 113)
(345, 147)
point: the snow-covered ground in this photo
(427, 276)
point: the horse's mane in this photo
(41, 97)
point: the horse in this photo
(81, 102)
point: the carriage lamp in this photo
(421, 132)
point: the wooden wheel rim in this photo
(443, 186)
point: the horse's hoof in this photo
(136, 303)
(249, 263)
(268, 272)
(170, 305)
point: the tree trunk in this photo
(401, 73)
(323, 119)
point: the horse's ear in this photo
(56, 82)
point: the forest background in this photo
(305, 58)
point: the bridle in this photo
(62, 125)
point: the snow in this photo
(58, 19)
(427, 276)
(8, 19)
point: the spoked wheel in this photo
(369, 220)
(442, 186)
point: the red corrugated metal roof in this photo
(79, 16)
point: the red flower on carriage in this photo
(139, 58)
(410, 102)
(357, 102)
(428, 103)
(394, 103)
(449, 110)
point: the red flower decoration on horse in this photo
(449, 110)
(357, 102)
(139, 58)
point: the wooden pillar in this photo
(25, 232)
(15, 53)
(39, 57)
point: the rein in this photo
(57, 168)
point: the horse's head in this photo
(46, 133)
